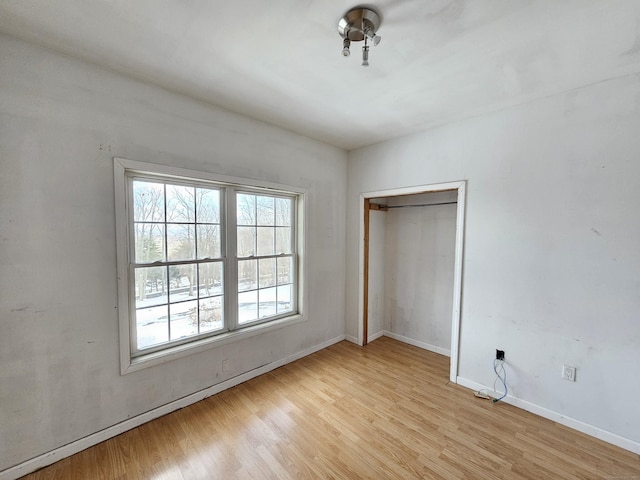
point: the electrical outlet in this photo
(499, 354)
(225, 365)
(569, 373)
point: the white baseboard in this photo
(416, 343)
(351, 339)
(53, 456)
(596, 432)
(375, 336)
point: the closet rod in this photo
(421, 205)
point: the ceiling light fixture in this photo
(359, 24)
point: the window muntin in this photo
(182, 234)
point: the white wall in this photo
(551, 270)
(61, 122)
(419, 264)
(377, 274)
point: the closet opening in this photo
(411, 259)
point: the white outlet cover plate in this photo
(569, 373)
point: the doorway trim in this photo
(460, 187)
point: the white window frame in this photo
(124, 169)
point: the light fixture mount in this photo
(358, 24)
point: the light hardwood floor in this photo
(346, 412)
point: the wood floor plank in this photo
(383, 411)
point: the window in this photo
(201, 259)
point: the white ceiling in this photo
(279, 61)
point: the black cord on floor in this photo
(501, 374)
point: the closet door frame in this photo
(365, 208)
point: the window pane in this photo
(148, 201)
(151, 286)
(247, 275)
(182, 283)
(267, 299)
(265, 210)
(247, 306)
(284, 299)
(184, 319)
(181, 205)
(208, 241)
(285, 268)
(266, 241)
(211, 279)
(211, 314)
(283, 211)
(152, 326)
(207, 205)
(246, 209)
(149, 240)
(246, 241)
(267, 272)
(181, 242)
(283, 240)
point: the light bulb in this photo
(365, 56)
(345, 47)
(375, 39)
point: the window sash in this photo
(292, 283)
(168, 302)
(292, 254)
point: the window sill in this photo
(179, 351)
